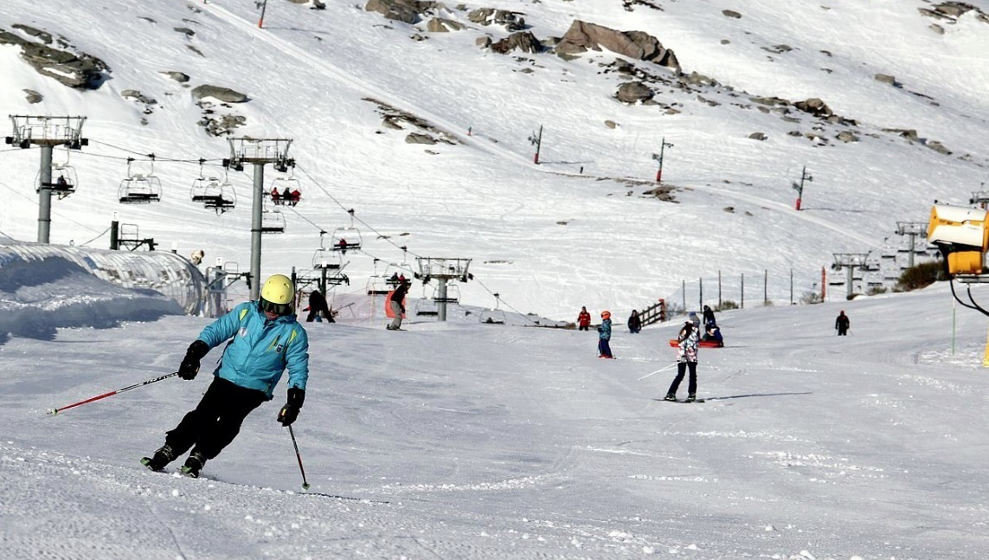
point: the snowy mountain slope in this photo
(311, 75)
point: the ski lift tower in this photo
(851, 261)
(258, 152)
(47, 132)
(443, 270)
(911, 229)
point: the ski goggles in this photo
(276, 308)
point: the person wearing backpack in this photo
(263, 339)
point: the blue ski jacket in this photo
(260, 349)
(604, 331)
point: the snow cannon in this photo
(961, 235)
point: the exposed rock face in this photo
(177, 76)
(815, 107)
(523, 41)
(731, 14)
(633, 92)
(443, 25)
(407, 11)
(70, 67)
(33, 96)
(226, 95)
(512, 21)
(638, 45)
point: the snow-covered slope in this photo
(461, 440)
(571, 231)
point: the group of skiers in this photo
(263, 340)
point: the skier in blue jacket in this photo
(604, 336)
(264, 340)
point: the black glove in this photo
(290, 411)
(190, 364)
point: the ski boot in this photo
(691, 397)
(670, 397)
(193, 464)
(163, 456)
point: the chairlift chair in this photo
(212, 193)
(285, 184)
(325, 259)
(346, 238)
(139, 188)
(493, 316)
(272, 221)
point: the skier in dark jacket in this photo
(604, 336)
(708, 317)
(318, 308)
(264, 340)
(634, 322)
(842, 324)
(397, 303)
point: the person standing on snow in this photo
(842, 323)
(634, 322)
(686, 358)
(708, 315)
(264, 340)
(604, 336)
(583, 319)
(397, 305)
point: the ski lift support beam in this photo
(444, 270)
(47, 132)
(258, 152)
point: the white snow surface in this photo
(464, 440)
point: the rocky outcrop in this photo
(443, 25)
(583, 36)
(513, 21)
(407, 11)
(522, 41)
(179, 77)
(66, 64)
(634, 92)
(226, 95)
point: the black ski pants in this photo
(216, 420)
(691, 385)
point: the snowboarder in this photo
(686, 359)
(604, 335)
(265, 339)
(397, 304)
(842, 323)
(709, 317)
(583, 319)
(634, 322)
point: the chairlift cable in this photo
(95, 238)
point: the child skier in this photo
(604, 335)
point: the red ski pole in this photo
(55, 411)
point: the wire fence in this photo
(738, 290)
